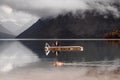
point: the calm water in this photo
(28, 57)
(93, 50)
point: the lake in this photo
(26, 60)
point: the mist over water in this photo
(20, 62)
(14, 54)
(50, 72)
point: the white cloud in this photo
(53, 8)
(6, 9)
(16, 21)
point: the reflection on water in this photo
(114, 42)
(14, 54)
(28, 57)
(93, 50)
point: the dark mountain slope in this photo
(69, 26)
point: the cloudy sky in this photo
(18, 15)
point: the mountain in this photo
(70, 26)
(16, 28)
(4, 33)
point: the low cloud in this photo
(19, 15)
(44, 8)
(15, 21)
